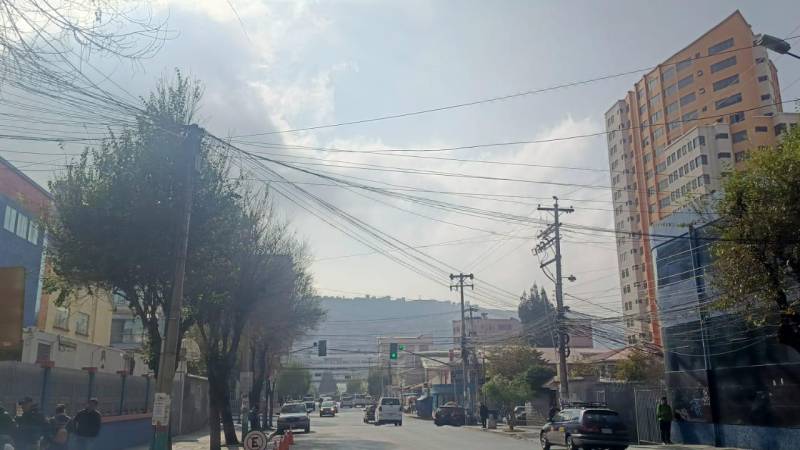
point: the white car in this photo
(389, 411)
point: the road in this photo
(347, 432)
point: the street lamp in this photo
(775, 44)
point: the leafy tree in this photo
(375, 380)
(355, 386)
(756, 268)
(507, 393)
(534, 311)
(294, 381)
(537, 375)
(641, 366)
(514, 360)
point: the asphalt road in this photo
(346, 431)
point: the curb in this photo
(512, 435)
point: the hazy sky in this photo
(299, 64)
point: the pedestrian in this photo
(85, 426)
(484, 413)
(553, 411)
(8, 428)
(31, 426)
(664, 416)
(58, 436)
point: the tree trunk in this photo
(258, 379)
(213, 417)
(227, 416)
(270, 400)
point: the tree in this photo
(115, 220)
(641, 366)
(537, 375)
(508, 393)
(293, 381)
(375, 380)
(355, 386)
(514, 360)
(756, 267)
(535, 312)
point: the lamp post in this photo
(775, 44)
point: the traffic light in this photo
(401, 347)
(392, 351)
(322, 348)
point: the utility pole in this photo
(563, 337)
(460, 287)
(169, 352)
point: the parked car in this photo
(327, 409)
(449, 414)
(369, 413)
(389, 411)
(576, 428)
(293, 416)
(347, 402)
(311, 406)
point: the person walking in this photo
(58, 436)
(31, 426)
(484, 413)
(664, 416)
(85, 426)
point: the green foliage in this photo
(355, 386)
(757, 261)
(640, 366)
(514, 360)
(294, 381)
(537, 375)
(508, 393)
(534, 312)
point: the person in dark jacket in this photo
(58, 435)
(483, 411)
(31, 426)
(86, 426)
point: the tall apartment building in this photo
(674, 137)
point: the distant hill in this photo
(355, 323)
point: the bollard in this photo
(289, 437)
(284, 443)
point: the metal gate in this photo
(646, 401)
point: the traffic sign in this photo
(255, 440)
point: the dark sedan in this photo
(293, 416)
(327, 409)
(449, 415)
(576, 428)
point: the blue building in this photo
(732, 384)
(22, 202)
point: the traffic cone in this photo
(284, 444)
(290, 437)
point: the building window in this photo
(62, 318)
(43, 352)
(724, 155)
(728, 101)
(670, 90)
(690, 116)
(780, 128)
(762, 78)
(10, 219)
(724, 64)
(651, 84)
(685, 81)
(655, 117)
(655, 99)
(721, 136)
(664, 202)
(22, 226)
(658, 132)
(766, 97)
(685, 64)
(672, 108)
(662, 185)
(82, 324)
(725, 82)
(642, 109)
(688, 98)
(722, 46)
(739, 136)
(762, 129)
(740, 156)
(668, 74)
(33, 233)
(737, 117)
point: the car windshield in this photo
(327, 404)
(390, 401)
(293, 408)
(602, 418)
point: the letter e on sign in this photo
(255, 440)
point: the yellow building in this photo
(85, 317)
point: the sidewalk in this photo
(195, 441)
(531, 433)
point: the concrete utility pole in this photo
(169, 352)
(460, 287)
(563, 337)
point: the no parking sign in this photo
(255, 440)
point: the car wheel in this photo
(400, 424)
(543, 440)
(571, 444)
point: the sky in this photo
(270, 66)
